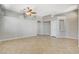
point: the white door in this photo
(46, 28)
(54, 28)
(39, 28)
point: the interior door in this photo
(54, 30)
(46, 28)
(39, 28)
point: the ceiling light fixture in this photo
(28, 12)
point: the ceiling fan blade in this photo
(33, 12)
(29, 10)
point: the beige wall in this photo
(78, 23)
(71, 25)
(78, 27)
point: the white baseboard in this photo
(36, 35)
(60, 37)
(71, 37)
(16, 38)
(66, 37)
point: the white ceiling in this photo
(42, 9)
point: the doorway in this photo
(44, 28)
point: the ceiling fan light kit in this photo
(28, 11)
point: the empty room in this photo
(39, 29)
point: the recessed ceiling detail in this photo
(42, 9)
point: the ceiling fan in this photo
(28, 11)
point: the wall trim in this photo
(72, 37)
(16, 38)
(66, 37)
(36, 35)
